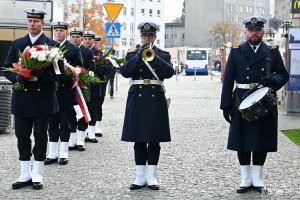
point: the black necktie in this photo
(254, 47)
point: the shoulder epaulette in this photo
(274, 46)
(236, 47)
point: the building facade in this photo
(200, 17)
(174, 34)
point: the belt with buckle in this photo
(147, 82)
(32, 78)
(246, 86)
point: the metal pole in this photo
(195, 73)
(177, 67)
(81, 14)
(116, 80)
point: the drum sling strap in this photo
(268, 72)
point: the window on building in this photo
(158, 41)
(143, 11)
(124, 26)
(124, 10)
(124, 41)
(172, 36)
(158, 13)
(150, 12)
(249, 9)
(240, 8)
(131, 27)
(158, 0)
(230, 7)
(183, 36)
(166, 36)
(132, 11)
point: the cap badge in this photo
(147, 26)
(253, 21)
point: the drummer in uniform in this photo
(247, 66)
(146, 117)
(33, 105)
(60, 122)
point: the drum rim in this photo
(265, 95)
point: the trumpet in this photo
(148, 54)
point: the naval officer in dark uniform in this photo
(33, 105)
(247, 67)
(95, 92)
(146, 117)
(77, 138)
(60, 122)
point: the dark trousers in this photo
(100, 102)
(60, 125)
(111, 80)
(146, 152)
(258, 158)
(81, 125)
(23, 129)
(93, 105)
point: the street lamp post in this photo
(223, 62)
(270, 34)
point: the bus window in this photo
(196, 55)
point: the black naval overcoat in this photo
(146, 115)
(244, 67)
(66, 96)
(38, 99)
(96, 89)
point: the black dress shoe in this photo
(153, 187)
(94, 140)
(81, 148)
(98, 134)
(50, 161)
(261, 189)
(73, 148)
(136, 187)
(243, 189)
(63, 161)
(37, 185)
(18, 184)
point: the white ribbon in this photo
(55, 67)
(113, 62)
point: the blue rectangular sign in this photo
(113, 30)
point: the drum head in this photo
(254, 98)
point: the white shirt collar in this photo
(257, 46)
(63, 42)
(33, 39)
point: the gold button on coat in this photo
(153, 95)
(140, 95)
(140, 86)
(38, 89)
(247, 77)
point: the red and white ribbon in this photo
(83, 105)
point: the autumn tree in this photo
(92, 18)
(226, 31)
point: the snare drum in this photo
(258, 104)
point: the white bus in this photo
(196, 60)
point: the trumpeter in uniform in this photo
(33, 105)
(247, 66)
(77, 138)
(146, 120)
(60, 122)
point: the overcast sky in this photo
(173, 9)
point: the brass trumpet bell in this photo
(148, 54)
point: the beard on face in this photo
(254, 41)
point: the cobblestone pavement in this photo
(195, 165)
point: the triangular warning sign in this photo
(113, 10)
(113, 31)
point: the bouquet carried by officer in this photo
(33, 60)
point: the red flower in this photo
(27, 53)
(39, 48)
(80, 84)
(82, 70)
(95, 58)
(99, 54)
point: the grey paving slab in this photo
(195, 165)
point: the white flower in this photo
(91, 73)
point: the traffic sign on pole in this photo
(113, 10)
(113, 30)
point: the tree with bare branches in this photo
(92, 18)
(227, 31)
